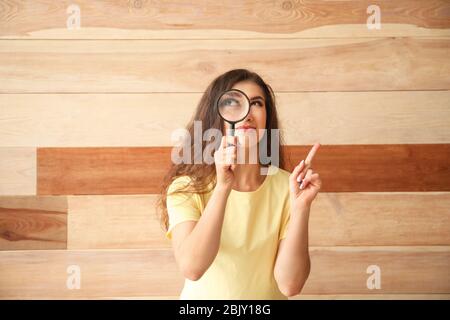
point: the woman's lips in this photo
(246, 128)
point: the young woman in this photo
(228, 222)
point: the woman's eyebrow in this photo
(257, 97)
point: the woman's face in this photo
(256, 118)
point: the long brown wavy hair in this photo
(204, 175)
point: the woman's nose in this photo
(249, 116)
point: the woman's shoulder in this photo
(184, 184)
(179, 183)
(181, 190)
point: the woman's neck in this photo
(247, 174)
(247, 177)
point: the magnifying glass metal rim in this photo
(233, 122)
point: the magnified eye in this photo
(229, 102)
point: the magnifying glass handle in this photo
(231, 133)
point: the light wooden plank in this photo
(351, 118)
(225, 19)
(342, 270)
(43, 274)
(380, 219)
(43, 66)
(131, 273)
(346, 168)
(342, 118)
(33, 222)
(17, 171)
(114, 222)
(342, 219)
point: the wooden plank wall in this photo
(86, 116)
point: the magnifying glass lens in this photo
(233, 106)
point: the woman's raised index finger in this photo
(311, 154)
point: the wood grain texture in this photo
(42, 66)
(90, 171)
(71, 120)
(17, 171)
(114, 222)
(346, 168)
(341, 270)
(190, 19)
(99, 104)
(380, 168)
(39, 274)
(33, 223)
(122, 273)
(341, 219)
(380, 219)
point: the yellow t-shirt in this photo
(254, 223)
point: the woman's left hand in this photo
(304, 176)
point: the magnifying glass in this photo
(233, 106)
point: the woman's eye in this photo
(259, 103)
(228, 102)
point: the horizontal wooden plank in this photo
(380, 219)
(380, 168)
(131, 273)
(346, 168)
(211, 19)
(342, 219)
(40, 274)
(101, 170)
(114, 222)
(33, 223)
(18, 171)
(352, 118)
(130, 66)
(129, 222)
(342, 270)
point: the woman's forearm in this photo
(201, 246)
(293, 263)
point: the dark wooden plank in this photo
(101, 170)
(343, 168)
(29, 223)
(377, 168)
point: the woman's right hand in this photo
(225, 161)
